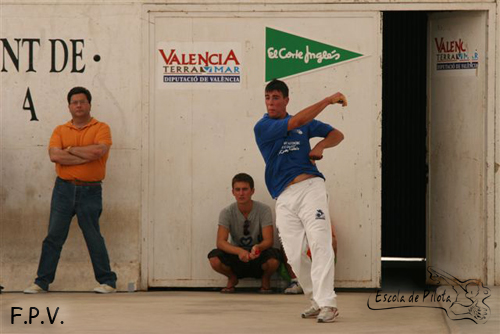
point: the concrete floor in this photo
(213, 312)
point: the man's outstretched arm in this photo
(308, 114)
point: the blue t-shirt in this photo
(286, 153)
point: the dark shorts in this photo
(246, 269)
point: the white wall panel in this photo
(113, 33)
(202, 137)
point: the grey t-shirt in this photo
(231, 218)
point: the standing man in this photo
(302, 214)
(80, 149)
(250, 253)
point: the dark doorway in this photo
(404, 155)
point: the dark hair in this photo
(278, 85)
(79, 90)
(242, 177)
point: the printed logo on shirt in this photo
(297, 131)
(320, 214)
(246, 241)
(290, 146)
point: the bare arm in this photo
(267, 242)
(89, 152)
(224, 245)
(333, 138)
(309, 113)
(63, 157)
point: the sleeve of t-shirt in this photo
(55, 139)
(319, 129)
(103, 135)
(268, 129)
(266, 217)
(224, 219)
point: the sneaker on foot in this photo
(328, 314)
(34, 288)
(310, 312)
(104, 288)
(294, 288)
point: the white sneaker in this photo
(34, 288)
(104, 288)
(294, 288)
(310, 312)
(328, 314)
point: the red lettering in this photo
(203, 60)
(217, 60)
(231, 56)
(163, 55)
(439, 44)
(175, 59)
(449, 46)
(172, 57)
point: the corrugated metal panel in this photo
(404, 134)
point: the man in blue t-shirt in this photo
(292, 178)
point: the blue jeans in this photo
(86, 202)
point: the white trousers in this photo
(303, 221)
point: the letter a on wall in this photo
(288, 54)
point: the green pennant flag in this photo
(288, 54)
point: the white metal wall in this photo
(112, 33)
(456, 136)
(120, 83)
(201, 136)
